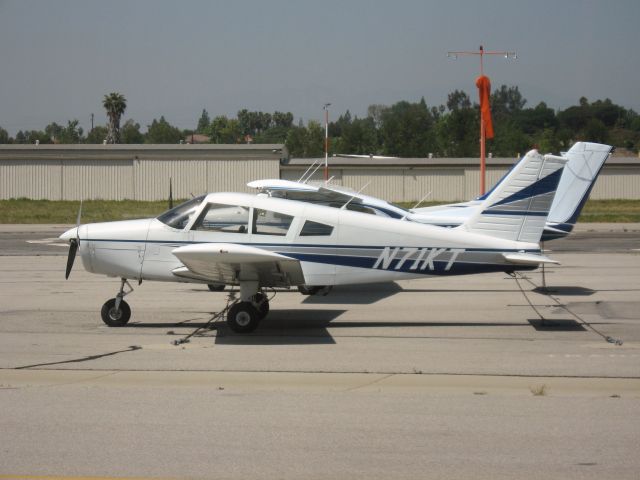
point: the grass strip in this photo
(65, 212)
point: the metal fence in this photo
(118, 172)
(142, 172)
(451, 179)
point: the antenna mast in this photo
(326, 141)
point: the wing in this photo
(304, 192)
(275, 184)
(228, 263)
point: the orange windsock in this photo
(484, 89)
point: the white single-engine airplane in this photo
(257, 241)
(585, 161)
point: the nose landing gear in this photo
(116, 312)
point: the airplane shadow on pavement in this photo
(355, 294)
(568, 290)
(285, 327)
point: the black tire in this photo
(262, 304)
(216, 287)
(309, 289)
(243, 317)
(113, 317)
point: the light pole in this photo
(481, 53)
(326, 141)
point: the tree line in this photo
(406, 129)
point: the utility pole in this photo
(91, 123)
(326, 141)
(481, 53)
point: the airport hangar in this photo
(142, 172)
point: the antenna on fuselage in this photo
(421, 200)
(305, 180)
(416, 206)
(312, 173)
(354, 196)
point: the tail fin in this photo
(518, 207)
(579, 176)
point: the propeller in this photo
(74, 243)
(73, 248)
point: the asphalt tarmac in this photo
(481, 376)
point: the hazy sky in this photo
(59, 58)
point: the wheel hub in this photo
(243, 319)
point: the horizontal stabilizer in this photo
(521, 258)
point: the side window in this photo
(223, 218)
(315, 229)
(266, 222)
(356, 207)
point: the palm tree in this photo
(115, 104)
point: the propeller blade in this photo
(73, 248)
(78, 219)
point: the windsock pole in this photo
(483, 134)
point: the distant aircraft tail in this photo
(518, 207)
(585, 163)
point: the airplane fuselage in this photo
(333, 246)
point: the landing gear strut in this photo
(116, 312)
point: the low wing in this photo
(228, 263)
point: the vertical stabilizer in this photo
(585, 162)
(518, 207)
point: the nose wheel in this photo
(115, 311)
(115, 316)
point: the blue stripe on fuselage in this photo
(296, 245)
(433, 266)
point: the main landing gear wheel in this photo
(243, 317)
(309, 289)
(215, 287)
(261, 303)
(115, 317)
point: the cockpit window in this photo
(179, 216)
(223, 218)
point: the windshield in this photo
(179, 216)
